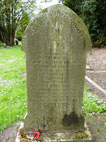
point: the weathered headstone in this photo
(5, 46)
(56, 44)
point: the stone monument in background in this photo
(56, 44)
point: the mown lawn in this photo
(13, 96)
(12, 86)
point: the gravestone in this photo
(5, 46)
(56, 44)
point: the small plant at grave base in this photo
(80, 135)
(23, 136)
(92, 104)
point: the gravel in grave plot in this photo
(97, 59)
(96, 62)
(9, 135)
(97, 127)
(99, 78)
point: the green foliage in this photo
(12, 14)
(22, 25)
(0, 43)
(92, 104)
(89, 16)
(93, 14)
(74, 5)
(100, 42)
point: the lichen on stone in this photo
(80, 135)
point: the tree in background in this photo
(13, 13)
(93, 13)
(22, 25)
(75, 5)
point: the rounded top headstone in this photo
(65, 15)
(56, 43)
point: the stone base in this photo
(80, 136)
(68, 137)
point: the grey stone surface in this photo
(5, 46)
(56, 45)
(82, 136)
(73, 136)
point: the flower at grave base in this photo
(36, 134)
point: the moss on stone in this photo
(81, 135)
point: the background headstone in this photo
(56, 45)
(5, 46)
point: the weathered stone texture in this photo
(56, 45)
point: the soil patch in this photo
(9, 135)
(97, 127)
(97, 71)
(99, 78)
(97, 59)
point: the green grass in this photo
(12, 86)
(92, 104)
(13, 89)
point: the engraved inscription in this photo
(56, 61)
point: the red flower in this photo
(36, 134)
